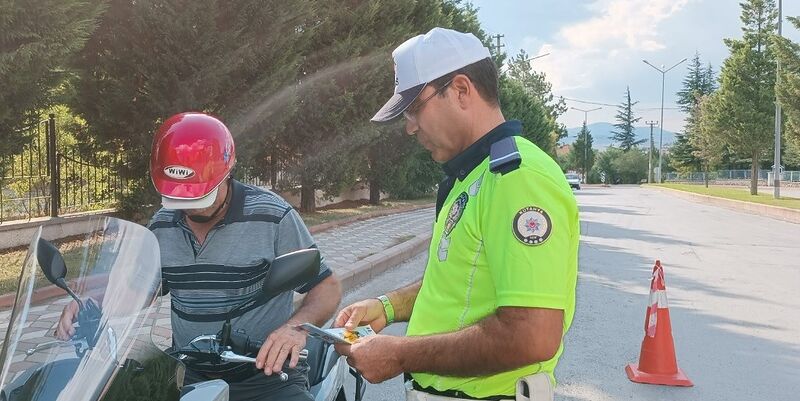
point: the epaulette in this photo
(504, 156)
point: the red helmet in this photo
(192, 155)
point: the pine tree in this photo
(698, 84)
(582, 153)
(349, 78)
(37, 40)
(699, 81)
(788, 88)
(625, 132)
(708, 147)
(150, 59)
(538, 125)
(537, 85)
(743, 109)
(683, 157)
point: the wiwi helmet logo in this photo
(178, 172)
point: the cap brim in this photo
(397, 104)
(181, 204)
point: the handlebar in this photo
(208, 348)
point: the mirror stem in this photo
(63, 284)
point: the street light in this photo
(585, 141)
(529, 59)
(776, 169)
(661, 134)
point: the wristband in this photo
(387, 308)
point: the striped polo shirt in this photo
(207, 281)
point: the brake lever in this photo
(47, 345)
(230, 356)
(80, 346)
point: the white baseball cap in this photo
(424, 58)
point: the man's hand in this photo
(65, 329)
(376, 357)
(369, 312)
(284, 342)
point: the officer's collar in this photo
(466, 161)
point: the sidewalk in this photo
(354, 252)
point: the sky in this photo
(597, 46)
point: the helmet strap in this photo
(205, 219)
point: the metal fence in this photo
(731, 175)
(50, 179)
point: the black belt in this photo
(456, 393)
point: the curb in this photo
(366, 216)
(775, 212)
(373, 265)
(358, 273)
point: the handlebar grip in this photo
(254, 346)
(244, 345)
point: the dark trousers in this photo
(260, 387)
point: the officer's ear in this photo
(463, 89)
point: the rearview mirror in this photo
(52, 263)
(290, 271)
(53, 266)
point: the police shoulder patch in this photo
(532, 225)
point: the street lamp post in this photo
(661, 134)
(776, 169)
(585, 142)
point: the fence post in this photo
(52, 163)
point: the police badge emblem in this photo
(532, 225)
(454, 215)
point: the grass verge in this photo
(736, 194)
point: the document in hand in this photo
(338, 335)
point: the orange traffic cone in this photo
(657, 363)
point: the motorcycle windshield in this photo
(111, 356)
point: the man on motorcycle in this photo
(217, 238)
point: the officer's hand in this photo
(286, 341)
(375, 357)
(65, 329)
(369, 312)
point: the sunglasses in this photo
(411, 113)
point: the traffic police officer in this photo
(498, 293)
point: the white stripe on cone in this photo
(658, 300)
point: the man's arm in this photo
(403, 301)
(511, 338)
(370, 311)
(320, 303)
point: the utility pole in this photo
(499, 45)
(776, 169)
(650, 152)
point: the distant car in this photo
(574, 181)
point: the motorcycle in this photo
(114, 276)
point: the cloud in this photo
(622, 23)
(619, 31)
